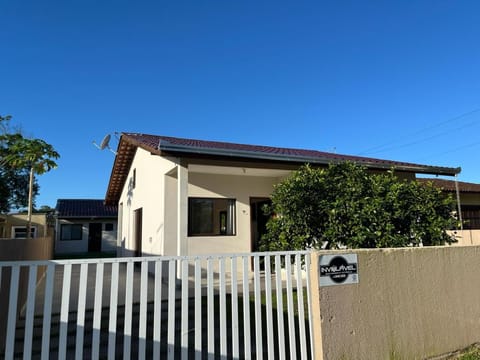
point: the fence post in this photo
(316, 336)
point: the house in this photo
(469, 199)
(14, 226)
(187, 197)
(85, 225)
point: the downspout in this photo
(56, 232)
(182, 212)
(459, 207)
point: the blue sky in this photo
(397, 80)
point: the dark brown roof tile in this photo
(168, 145)
(449, 185)
(85, 208)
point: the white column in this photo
(182, 209)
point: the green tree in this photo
(13, 182)
(20, 156)
(344, 205)
(44, 209)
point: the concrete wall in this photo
(240, 188)
(467, 237)
(409, 304)
(155, 191)
(19, 250)
(148, 193)
(26, 249)
(39, 221)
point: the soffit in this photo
(237, 171)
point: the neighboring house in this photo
(188, 197)
(469, 196)
(85, 225)
(14, 226)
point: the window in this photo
(471, 217)
(20, 232)
(71, 232)
(108, 227)
(208, 216)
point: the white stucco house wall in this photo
(85, 225)
(188, 197)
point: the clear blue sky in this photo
(397, 80)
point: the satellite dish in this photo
(104, 144)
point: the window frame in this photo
(70, 239)
(33, 231)
(471, 217)
(219, 214)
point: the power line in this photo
(453, 150)
(448, 132)
(388, 146)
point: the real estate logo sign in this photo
(338, 269)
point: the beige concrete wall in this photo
(147, 194)
(26, 249)
(39, 221)
(409, 304)
(156, 193)
(240, 188)
(19, 250)
(466, 237)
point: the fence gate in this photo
(248, 306)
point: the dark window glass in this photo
(471, 217)
(208, 216)
(71, 232)
(20, 232)
(108, 227)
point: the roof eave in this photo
(432, 170)
(166, 147)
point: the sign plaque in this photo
(339, 269)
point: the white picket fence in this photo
(250, 306)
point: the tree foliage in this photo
(19, 156)
(344, 205)
(23, 153)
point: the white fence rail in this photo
(250, 306)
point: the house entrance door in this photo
(258, 220)
(95, 237)
(138, 231)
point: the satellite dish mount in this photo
(104, 144)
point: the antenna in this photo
(104, 144)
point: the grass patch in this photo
(471, 354)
